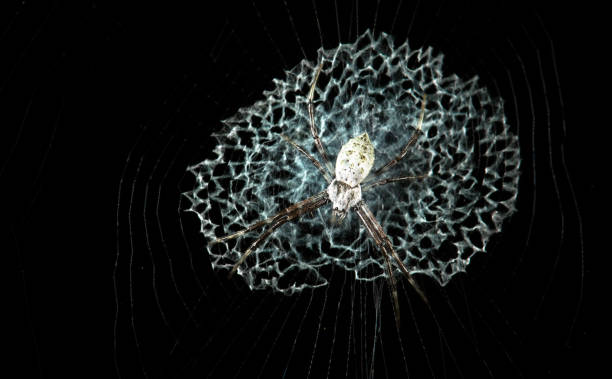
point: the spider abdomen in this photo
(355, 160)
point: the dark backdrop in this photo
(100, 100)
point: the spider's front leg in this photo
(383, 249)
(383, 243)
(290, 213)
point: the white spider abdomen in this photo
(355, 160)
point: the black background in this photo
(93, 95)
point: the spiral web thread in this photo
(436, 224)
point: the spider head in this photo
(343, 197)
(338, 216)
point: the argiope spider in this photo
(353, 165)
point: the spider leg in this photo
(383, 248)
(393, 284)
(313, 126)
(294, 211)
(411, 142)
(293, 207)
(257, 242)
(312, 159)
(384, 244)
(369, 186)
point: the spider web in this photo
(373, 85)
(106, 105)
(477, 325)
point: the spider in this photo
(353, 165)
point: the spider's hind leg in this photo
(313, 126)
(411, 142)
(310, 157)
